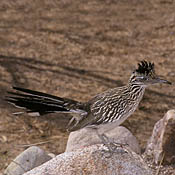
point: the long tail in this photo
(37, 103)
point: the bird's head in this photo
(145, 75)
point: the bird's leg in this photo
(110, 143)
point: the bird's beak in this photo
(160, 80)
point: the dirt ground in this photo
(77, 49)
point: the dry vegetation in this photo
(77, 49)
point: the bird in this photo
(104, 111)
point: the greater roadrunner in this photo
(109, 108)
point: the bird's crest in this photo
(145, 67)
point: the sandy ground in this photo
(77, 49)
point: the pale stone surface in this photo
(162, 140)
(86, 137)
(27, 160)
(94, 160)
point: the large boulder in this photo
(94, 160)
(86, 137)
(161, 145)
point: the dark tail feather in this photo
(38, 103)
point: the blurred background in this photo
(77, 49)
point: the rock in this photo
(27, 160)
(86, 137)
(162, 142)
(94, 160)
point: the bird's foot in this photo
(112, 145)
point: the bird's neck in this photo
(136, 91)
